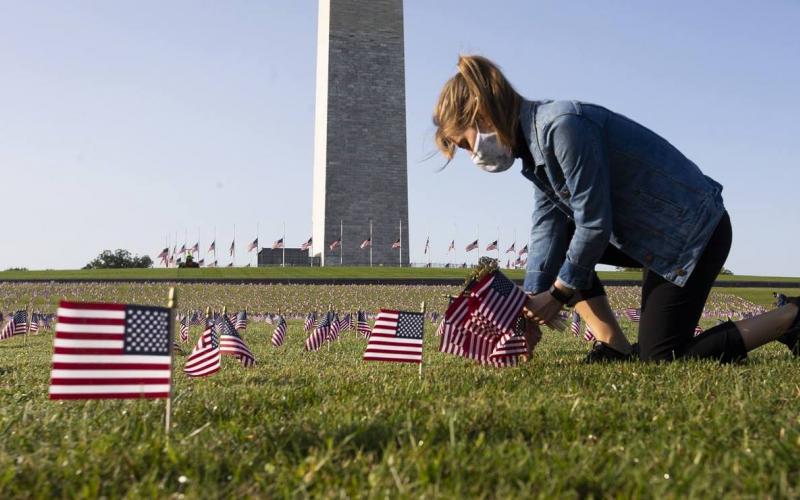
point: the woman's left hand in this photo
(542, 307)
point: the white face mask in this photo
(490, 154)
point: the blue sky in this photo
(122, 122)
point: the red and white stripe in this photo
(501, 310)
(280, 333)
(205, 358)
(385, 345)
(88, 359)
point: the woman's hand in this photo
(542, 308)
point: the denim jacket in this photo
(619, 183)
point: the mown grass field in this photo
(327, 424)
(331, 272)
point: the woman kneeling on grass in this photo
(607, 190)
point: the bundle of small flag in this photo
(484, 322)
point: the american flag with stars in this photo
(17, 324)
(232, 344)
(362, 326)
(111, 351)
(319, 334)
(396, 336)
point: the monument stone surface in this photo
(360, 171)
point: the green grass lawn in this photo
(305, 272)
(328, 424)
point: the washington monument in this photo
(360, 174)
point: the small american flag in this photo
(396, 336)
(253, 245)
(698, 330)
(164, 256)
(335, 244)
(36, 323)
(633, 314)
(346, 323)
(333, 333)
(232, 344)
(472, 246)
(205, 358)
(310, 320)
(362, 324)
(427, 245)
(280, 332)
(492, 246)
(511, 248)
(306, 245)
(104, 351)
(452, 246)
(588, 335)
(396, 244)
(184, 329)
(232, 248)
(17, 324)
(278, 244)
(524, 250)
(213, 247)
(575, 325)
(195, 248)
(320, 333)
(241, 320)
(366, 243)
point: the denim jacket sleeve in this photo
(548, 243)
(578, 146)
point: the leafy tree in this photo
(119, 259)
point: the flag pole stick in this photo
(27, 322)
(370, 243)
(283, 246)
(171, 304)
(423, 338)
(400, 226)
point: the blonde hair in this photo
(479, 92)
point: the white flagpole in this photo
(171, 304)
(498, 247)
(423, 338)
(455, 248)
(370, 243)
(478, 237)
(428, 245)
(401, 242)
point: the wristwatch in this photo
(560, 295)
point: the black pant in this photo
(670, 312)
